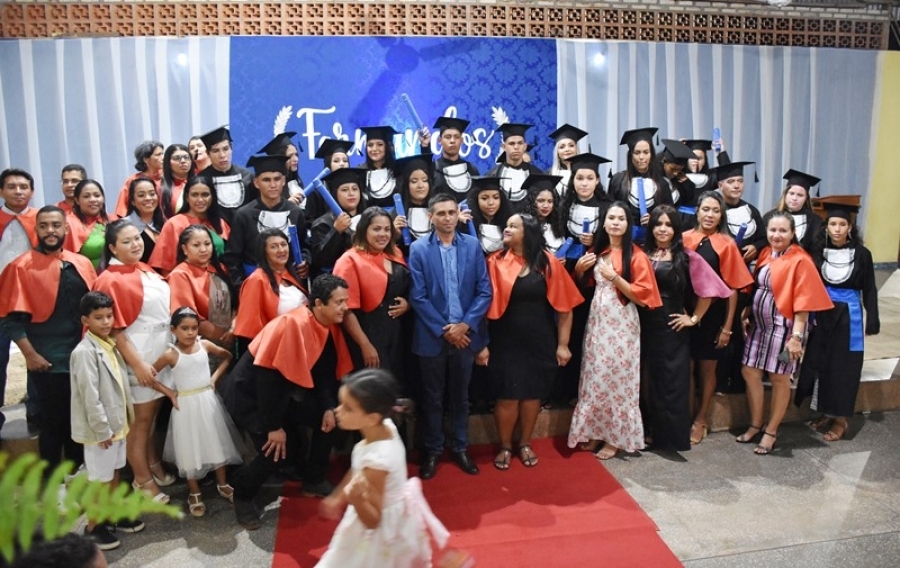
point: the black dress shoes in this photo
(429, 466)
(465, 462)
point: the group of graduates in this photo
(521, 287)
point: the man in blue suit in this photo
(450, 296)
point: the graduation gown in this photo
(834, 352)
(511, 180)
(249, 220)
(381, 185)
(621, 190)
(234, 188)
(259, 303)
(30, 283)
(453, 177)
(742, 213)
(190, 286)
(327, 244)
(165, 252)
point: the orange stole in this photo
(643, 279)
(124, 285)
(504, 269)
(795, 281)
(258, 303)
(365, 275)
(28, 219)
(30, 283)
(293, 342)
(78, 232)
(731, 262)
(121, 209)
(189, 287)
(165, 251)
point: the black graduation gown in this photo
(511, 181)
(684, 199)
(234, 189)
(621, 190)
(741, 213)
(326, 244)
(829, 358)
(453, 177)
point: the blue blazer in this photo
(428, 294)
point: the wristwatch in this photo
(695, 320)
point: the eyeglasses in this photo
(181, 158)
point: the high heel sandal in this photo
(704, 430)
(159, 497)
(762, 450)
(745, 439)
(226, 492)
(166, 480)
(196, 507)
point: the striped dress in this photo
(769, 330)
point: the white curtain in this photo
(810, 109)
(91, 101)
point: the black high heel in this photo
(745, 439)
(761, 450)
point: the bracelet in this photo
(726, 332)
(798, 336)
(694, 319)
(613, 278)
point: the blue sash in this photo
(851, 298)
(248, 269)
(687, 210)
(638, 234)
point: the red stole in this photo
(795, 281)
(189, 286)
(30, 283)
(66, 207)
(731, 262)
(123, 283)
(293, 342)
(643, 279)
(165, 251)
(504, 270)
(121, 209)
(28, 219)
(365, 276)
(258, 302)
(78, 232)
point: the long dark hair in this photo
(214, 261)
(533, 245)
(601, 238)
(571, 197)
(403, 184)
(389, 158)
(503, 212)
(717, 197)
(365, 219)
(158, 217)
(143, 151)
(680, 259)
(213, 214)
(654, 172)
(112, 237)
(263, 259)
(375, 390)
(554, 219)
(76, 209)
(821, 240)
(168, 180)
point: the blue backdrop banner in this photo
(330, 87)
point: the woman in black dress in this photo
(834, 354)
(330, 234)
(530, 322)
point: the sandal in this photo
(762, 450)
(226, 492)
(838, 428)
(589, 446)
(502, 459)
(166, 479)
(159, 497)
(699, 430)
(195, 505)
(527, 455)
(819, 423)
(745, 439)
(608, 452)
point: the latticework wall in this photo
(642, 23)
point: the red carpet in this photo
(567, 511)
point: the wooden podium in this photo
(818, 203)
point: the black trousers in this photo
(55, 399)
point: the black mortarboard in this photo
(676, 151)
(842, 210)
(726, 171)
(632, 137)
(482, 183)
(501, 159)
(268, 163)
(331, 146)
(568, 131)
(213, 137)
(339, 177)
(541, 181)
(587, 160)
(805, 181)
(385, 133)
(404, 166)
(705, 145)
(445, 122)
(513, 129)
(279, 143)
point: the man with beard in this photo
(234, 184)
(39, 312)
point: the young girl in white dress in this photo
(201, 435)
(388, 520)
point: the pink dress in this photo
(609, 388)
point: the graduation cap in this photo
(409, 164)
(482, 183)
(501, 159)
(676, 151)
(445, 122)
(587, 161)
(339, 177)
(268, 163)
(805, 181)
(385, 133)
(704, 145)
(842, 210)
(733, 169)
(568, 131)
(513, 129)
(331, 146)
(540, 182)
(213, 137)
(632, 137)
(279, 143)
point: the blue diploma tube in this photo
(739, 238)
(717, 140)
(564, 248)
(412, 111)
(329, 200)
(642, 197)
(398, 207)
(465, 207)
(586, 226)
(295, 244)
(311, 186)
